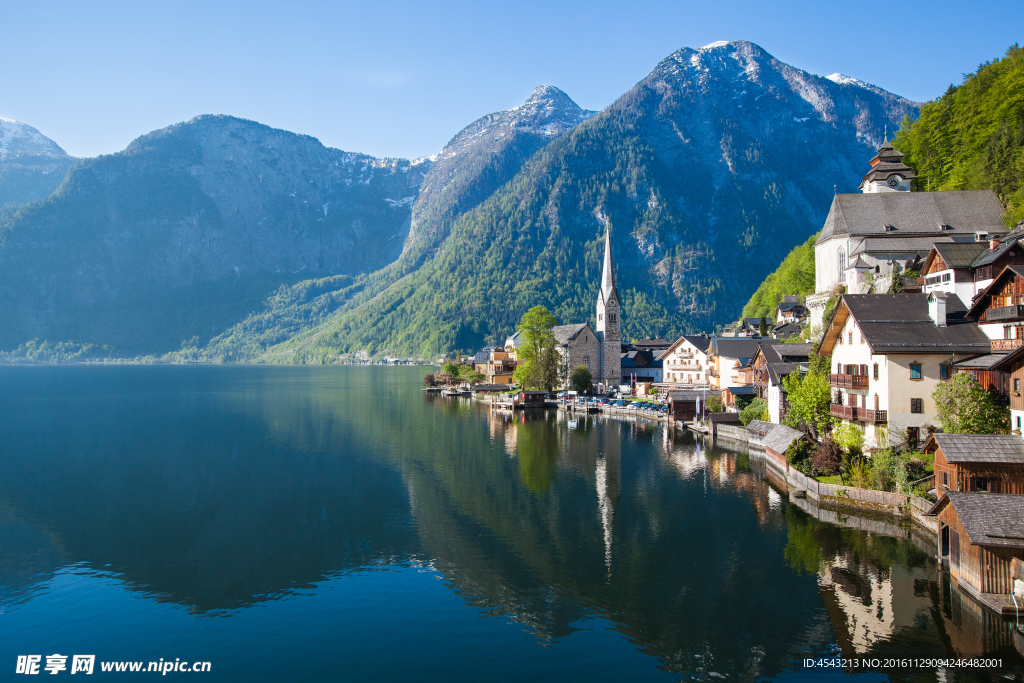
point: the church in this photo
(888, 226)
(600, 350)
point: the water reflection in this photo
(221, 488)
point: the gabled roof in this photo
(565, 333)
(789, 305)
(1003, 449)
(992, 519)
(759, 427)
(674, 396)
(913, 213)
(955, 254)
(698, 341)
(899, 323)
(981, 302)
(780, 438)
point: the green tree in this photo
(538, 351)
(809, 397)
(964, 407)
(582, 380)
(763, 327)
(895, 280)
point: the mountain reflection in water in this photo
(222, 489)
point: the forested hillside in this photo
(795, 275)
(972, 138)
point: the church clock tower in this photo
(609, 322)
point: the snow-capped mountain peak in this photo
(21, 138)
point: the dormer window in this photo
(890, 228)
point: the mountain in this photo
(189, 228)
(710, 170)
(31, 165)
(485, 155)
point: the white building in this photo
(685, 363)
(889, 353)
(866, 235)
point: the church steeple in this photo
(608, 321)
(608, 275)
(888, 172)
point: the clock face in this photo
(894, 181)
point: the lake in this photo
(337, 523)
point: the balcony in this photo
(872, 417)
(1005, 313)
(1006, 344)
(849, 381)
(842, 412)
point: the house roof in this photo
(780, 438)
(1006, 243)
(515, 340)
(981, 301)
(735, 347)
(741, 391)
(913, 213)
(759, 427)
(992, 519)
(674, 396)
(956, 254)
(1009, 360)
(789, 305)
(787, 330)
(1003, 449)
(899, 323)
(565, 333)
(653, 343)
(984, 362)
(641, 358)
(700, 342)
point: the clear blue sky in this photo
(401, 78)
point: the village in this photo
(893, 388)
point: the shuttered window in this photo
(917, 405)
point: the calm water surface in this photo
(302, 524)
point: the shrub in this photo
(799, 455)
(429, 381)
(755, 410)
(714, 404)
(828, 458)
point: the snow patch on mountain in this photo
(21, 138)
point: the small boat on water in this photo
(432, 390)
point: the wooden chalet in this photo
(685, 405)
(1011, 367)
(991, 463)
(999, 310)
(980, 535)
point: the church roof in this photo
(566, 333)
(901, 215)
(885, 163)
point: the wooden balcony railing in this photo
(849, 381)
(1004, 313)
(874, 417)
(843, 412)
(1006, 344)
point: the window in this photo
(917, 405)
(1016, 387)
(875, 374)
(943, 371)
(945, 478)
(876, 402)
(981, 484)
(864, 370)
(1018, 423)
(600, 316)
(913, 437)
(851, 337)
(842, 265)
(915, 371)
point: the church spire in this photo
(608, 276)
